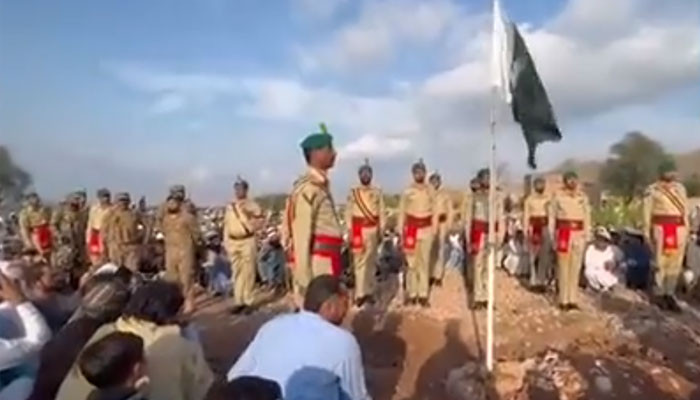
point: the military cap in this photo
(435, 175)
(177, 189)
(241, 182)
(365, 166)
(82, 192)
(667, 165)
(30, 195)
(123, 196)
(484, 172)
(73, 196)
(317, 140)
(570, 175)
(418, 165)
(539, 179)
(103, 192)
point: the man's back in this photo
(289, 343)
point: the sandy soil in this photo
(616, 347)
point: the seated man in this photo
(311, 340)
(600, 262)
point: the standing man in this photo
(242, 221)
(666, 230)
(35, 226)
(364, 216)
(417, 224)
(535, 223)
(121, 234)
(314, 225)
(477, 231)
(181, 236)
(570, 227)
(445, 213)
(94, 232)
(68, 231)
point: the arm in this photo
(402, 215)
(500, 219)
(197, 377)
(382, 212)
(194, 229)
(526, 218)
(305, 203)
(352, 375)
(226, 240)
(450, 214)
(646, 210)
(14, 352)
(684, 198)
(24, 230)
(90, 223)
(587, 228)
(552, 217)
(434, 200)
(348, 211)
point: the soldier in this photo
(666, 230)
(417, 223)
(121, 234)
(570, 227)
(445, 212)
(35, 228)
(314, 225)
(178, 192)
(364, 217)
(95, 224)
(477, 230)
(535, 223)
(181, 235)
(242, 221)
(68, 231)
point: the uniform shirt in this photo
(312, 212)
(570, 205)
(478, 210)
(536, 205)
(657, 202)
(443, 206)
(30, 218)
(418, 200)
(66, 224)
(121, 227)
(372, 202)
(180, 229)
(96, 216)
(303, 341)
(241, 219)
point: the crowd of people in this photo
(97, 302)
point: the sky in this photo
(137, 95)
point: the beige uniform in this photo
(181, 235)
(666, 230)
(476, 219)
(535, 226)
(445, 215)
(94, 232)
(35, 229)
(315, 230)
(364, 217)
(121, 236)
(241, 222)
(417, 223)
(570, 228)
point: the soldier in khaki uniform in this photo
(570, 228)
(242, 221)
(178, 192)
(95, 223)
(666, 230)
(535, 223)
(68, 231)
(181, 235)
(445, 215)
(476, 218)
(121, 234)
(35, 226)
(417, 222)
(314, 225)
(364, 217)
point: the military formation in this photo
(318, 240)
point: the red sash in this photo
(329, 247)
(669, 228)
(410, 230)
(42, 237)
(564, 228)
(537, 225)
(357, 224)
(476, 235)
(95, 242)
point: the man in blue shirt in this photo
(307, 353)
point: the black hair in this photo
(157, 302)
(321, 288)
(110, 361)
(307, 155)
(251, 388)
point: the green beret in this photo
(123, 196)
(570, 175)
(484, 172)
(318, 140)
(667, 165)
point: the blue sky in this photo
(137, 95)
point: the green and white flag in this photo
(515, 78)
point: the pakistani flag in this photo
(515, 78)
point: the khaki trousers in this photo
(569, 268)
(243, 268)
(669, 263)
(418, 268)
(364, 263)
(124, 255)
(439, 252)
(179, 266)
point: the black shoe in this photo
(661, 302)
(409, 302)
(437, 282)
(360, 302)
(537, 289)
(573, 307)
(479, 305)
(424, 303)
(673, 305)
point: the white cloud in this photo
(168, 103)
(377, 147)
(319, 9)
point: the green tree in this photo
(632, 165)
(13, 179)
(692, 185)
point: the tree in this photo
(632, 165)
(13, 179)
(692, 185)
